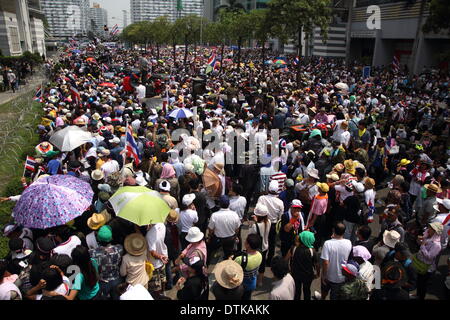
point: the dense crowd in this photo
(307, 204)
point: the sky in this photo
(114, 8)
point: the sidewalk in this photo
(32, 84)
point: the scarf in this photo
(361, 132)
(168, 171)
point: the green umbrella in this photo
(139, 205)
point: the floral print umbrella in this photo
(53, 201)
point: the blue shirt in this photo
(84, 291)
(53, 166)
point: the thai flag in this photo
(212, 60)
(115, 30)
(30, 164)
(395, 64)
(165, 101)
(75, 94)
(221, 103)
(446, 222)
(131, 146)
(104, 67)
(296, 61)
(38, 95)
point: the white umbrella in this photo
(70, 138)
(342, 86)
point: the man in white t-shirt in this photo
(140, 89)
(222, 229)
(442, 207)
(67, 246)
(335, 252)
(157, 255)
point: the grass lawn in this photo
(18, 121)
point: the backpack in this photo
(258, 232)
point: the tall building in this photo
(125, 18)
(67, 18)
(142, 10)
(98, 19)
(21, 27)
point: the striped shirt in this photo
(281, 178)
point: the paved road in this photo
(435, 291)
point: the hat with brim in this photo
(135, 244)
(313, 173)
(323, 187)
(350, 166)
(97, 175)
(404, 162)
(96, 221)
(391, 238)
(339, 167)
(194, 235)
(437, 226)
(333, 176)
(433, 188)
(229, 274)
(369, 183)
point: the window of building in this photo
(14, 38)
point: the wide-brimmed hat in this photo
(97, 175)
(403, 162)
(261, 210)
(141, 181)
(135, 244)
(390, 238)
(229, 274)
(350, 166)
(362, 252)
(312, 172)
(433, 188)
(323, 186)
(194, 235)
(394, 275)
(96, 221)
(444, 202)
(437, 226)
(339, 167)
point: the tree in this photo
(189, 29)
(161, 36)
(262, 29)
(217, 33)
(439, 16)
(291, 17)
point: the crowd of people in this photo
(306, 208)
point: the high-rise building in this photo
(67, 18)
(142, 10)
(98, 19)
(21, 27)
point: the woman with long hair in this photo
(86, 285)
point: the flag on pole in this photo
(131, 146)
(115, 30)
(446, 223)
(38, 95)
(75, 94)
(104, 67)
(165, 101)
(395, 64)
(296, 61)
(30, 164)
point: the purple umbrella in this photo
(53, 201)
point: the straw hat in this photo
(96, 221)
(229, 274)
(350, 166)
(437, 227)
(369, 183)
(314, 173)
(339, 167)
(173, 216)
(344, 125)
(135, 244)
(97, 175)
(433, 188)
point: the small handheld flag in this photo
(131, 146)
(30, 164)
(38, 95)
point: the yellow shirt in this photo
(99, 164)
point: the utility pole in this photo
(348, 38)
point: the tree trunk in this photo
(157, 51)
(299, 54)
(239, 54)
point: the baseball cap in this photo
(296, 204)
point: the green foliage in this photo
(32, 58)
(189, 28)
(439, 16)
(288, 17)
